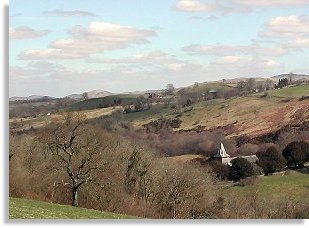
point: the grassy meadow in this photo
(278, 186)
(31, 209)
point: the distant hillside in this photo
(250, 115)
(293, 77)
(89, 95)
(31, 209)
(32, 98)
(98, 93)
(103, 102)
(236, 80)
(75, 96)
(204, 87)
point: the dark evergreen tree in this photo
(240, 169)
(296, 154)
(271, 160)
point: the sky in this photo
(59, 47)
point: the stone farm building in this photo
(224, 158)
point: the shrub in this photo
(271, 160)
(162, 123)
(221, 170)
(240, 169)
(296, 154)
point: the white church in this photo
(224, 158)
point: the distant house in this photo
(226, 159)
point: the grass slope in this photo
(206, 87)
(291, 92)
(291, 185)
(42, 121)
(31, 209)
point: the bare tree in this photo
(138, 176)
(183, 189)
(76, 149)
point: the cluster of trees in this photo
(239, 169)
(76, 163)
(294, 155)
(284, 82)
(271, 160)
(250, 85)
(162, 124)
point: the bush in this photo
(271, 160)
(161, 124)
(221, 170)
(296, 154)
(240, 169)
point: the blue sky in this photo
(62, 47)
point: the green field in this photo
(205, 87)
(293, 185)
(291, 92)
(31, 209)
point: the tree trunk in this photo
(174, 210)
(53, 192)
(145, 208)
(74, 197)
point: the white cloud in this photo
(35, 69)
(244, 66)
(290, 26)
(222, 50)
(192, 6)
(237, 62)
(155, 57)
(199, 6)
(16, 72)
(98, 37)
(298, 43)
(24, 32)
(225, 6)
(69, 13)
(45, 65)
(230, 60)
(147, 61)
(270, 3)
(209, 18)
(292, 32)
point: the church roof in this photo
(222, 152)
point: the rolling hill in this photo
(250, 115)
(31, 98)
(293, 77)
